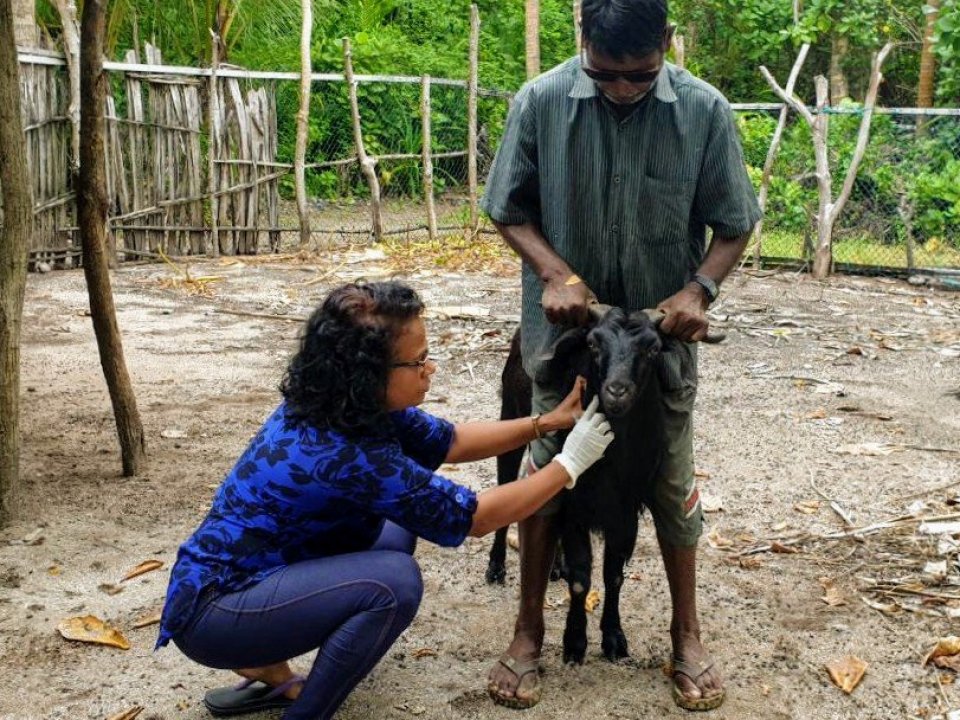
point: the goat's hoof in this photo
(573, 657)
(614, 646)
(496, 574)
(574, 650)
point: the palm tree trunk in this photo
(533, 37)
(15, 230)
(928, 62)
(92, 221)
(839, 48)
(25, 23)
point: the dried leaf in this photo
(855, 350)
(946, 647)
(847, 672)
(948, 662)
(718, 541)
(591, 601)
(832, 597)
(127, 714)
(751, 562)
(54, 570)
(818, 414)
(92, 630)
(110, 589)
(424, 652)
(144, 567)
(145, 621)
(782, 549)
(868, 448)
(807, 507)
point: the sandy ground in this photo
(808, 368)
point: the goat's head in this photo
(617, 355)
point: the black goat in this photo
(624, 359)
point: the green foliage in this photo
(947, 44)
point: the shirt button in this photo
(616, 179)
(615, 228)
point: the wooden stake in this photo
(212, 245)
(367, 163)
(303, 117)
(472, 117)
(427, 159)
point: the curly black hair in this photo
(337, 380)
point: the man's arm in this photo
(686, 311)
(565, 295)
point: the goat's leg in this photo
(617, 548)
(578, 552)
(508, 469)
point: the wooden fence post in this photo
(427, 157)
(213, 147)
(367, 163)
(303, 117)
(472, 117)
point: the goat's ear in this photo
(556, 360)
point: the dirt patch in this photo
(808, 368)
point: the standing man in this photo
(611, 168)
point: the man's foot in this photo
(697, 684)
(515, 680)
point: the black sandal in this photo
(249, 696)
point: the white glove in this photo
(586, 442)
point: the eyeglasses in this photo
(419, 364)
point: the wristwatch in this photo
(710, 289)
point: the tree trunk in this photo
(532, 14)
(303, 117)
(578, 39)
(928, 62)
(92, 222)
(67, 10)
(24, 23)
(15, 230)
(839, 48)
(823, 254)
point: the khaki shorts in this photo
(676, 507)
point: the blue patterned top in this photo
(297, 493)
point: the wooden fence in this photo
(159, 188)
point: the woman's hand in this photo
(564, 416)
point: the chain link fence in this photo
(392, 128)
(904, 209)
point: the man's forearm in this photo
(722, 256)
(533, 248)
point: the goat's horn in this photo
(597, 310)
(657, 316)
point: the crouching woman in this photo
(309, 541)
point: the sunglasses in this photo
(631, 76)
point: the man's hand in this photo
(565, 300)
(685, 314)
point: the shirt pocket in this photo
(663, 210)
(677, 367)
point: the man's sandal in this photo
(249, 696)
(519, 668)
(694, 671)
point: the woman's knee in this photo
(406, 583)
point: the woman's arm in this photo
(479, 440)
(517, 500)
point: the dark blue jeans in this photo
(350, 608)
